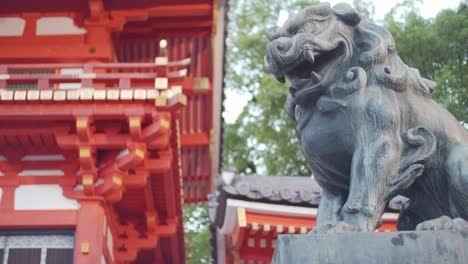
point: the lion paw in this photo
(443, 223)
(334, 228)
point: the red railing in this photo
(99, 75)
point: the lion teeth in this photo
(309, 55)
(315, 77)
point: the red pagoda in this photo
(109, 122)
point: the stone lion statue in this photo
(367, 124)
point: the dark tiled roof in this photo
(288, 190)
(285, 190)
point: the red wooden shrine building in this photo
(109, 122)
(249, 212)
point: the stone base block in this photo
(412, 247)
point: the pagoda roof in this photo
(301, 191)
(247, 213)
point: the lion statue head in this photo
(319, 46)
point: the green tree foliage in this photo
(262, 140)
(197, 233)
(438, 49)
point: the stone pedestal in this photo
(380, 248)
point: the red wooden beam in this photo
(157, 26)
(5, 181)
(160, 166)
(10, 53)
(109, 141)
(66, 112)
(113, 65)
(195, 140)
(89, 233)
(44, 219)
(180, 10)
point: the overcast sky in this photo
(234, 102)
(428, 8)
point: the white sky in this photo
(428, 8)
(235, 102)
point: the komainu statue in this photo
(367, 124)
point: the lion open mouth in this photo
(314, 75)
(309, 64)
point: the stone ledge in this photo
(412, 247)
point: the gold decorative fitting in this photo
(73, 94)
(152, 94)
(100, 94)
(112, 94)
(291, 229)
(20, 96)
(60, 95)
(135, 122)
(85, 248)
(263, 243)
(201, 84)
(151, 219)
(46, 95)
(139, 94)
(140, 153)
(273, 243)
(33, 95)
(251, 242)
(186, 61)
(85, 153)
(4, 76)
(87, 76)
(117, 180)
(86, 93)
(81, 123)
(177, 89)
(182, 73)
(161, 101)
(212, 141)
(164, 123)
(169, 93)
(161, 83)
(303, 229)
(87, 181)
(161, 61)
(7, 95)
(267, 227)
(182, 99)
(279, 228)
(241, 218)
(255, 226)
(126, 94)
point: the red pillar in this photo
(89, 232)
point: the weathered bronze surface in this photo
(408, 247)
(367, 124)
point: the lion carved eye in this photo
(308, 27)
(301, 30)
